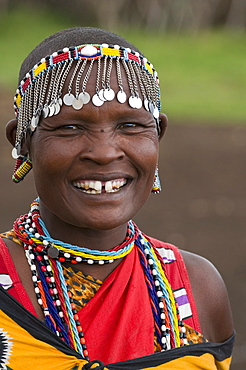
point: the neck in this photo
(82, 236)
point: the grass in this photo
(203, 75)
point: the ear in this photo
(11, 129)
(163, 120)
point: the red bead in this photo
(79, 328)
(62, 259)
(24, 234)
(86, 353)
(74, 261)
(39, 258)
(76, 317)
(51, 291)
(39, 249)
(30, 241)
(82, 340)
(43, 268)
(48, 279)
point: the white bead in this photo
(161, 305)
(159, 293)
(45, 242)
(46, 257)
(163, 340)
(116, 46)
(163, 316)
(34, 279)
(101, 262)
(78, 259)
(52, 279)
(40, 301)
(163, 328)
(65, 50)
(88, 50)
(146, 251)
(67, 255)
(49, 268)
(61, 314)
(58, 302)
(129, 50)
(33, 267)
(154, 272)
(36, 290)
(90, 262)
(31, 255)
(150, 261)
(183, 329)
(54, 54)
(55, 291)
(37, 235)
(31, 230)
(104, 45)
(185, 341)
(111, 261)
(137, 54)
(157, 283)
(43, 60)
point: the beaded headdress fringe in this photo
(41, 91)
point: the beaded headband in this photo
(40, 92)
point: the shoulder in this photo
(211, 297)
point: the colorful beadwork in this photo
(22, 168)
(41, 91)
(56, 301)
(157, 183)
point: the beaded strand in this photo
(56, 300)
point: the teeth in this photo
(96, 187)
(108, 186)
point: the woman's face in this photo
(94, 167)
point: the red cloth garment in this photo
(177, 275)
(119, 316)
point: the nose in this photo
(103, 149)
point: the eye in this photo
(70, 127)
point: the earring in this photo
(157, 184)
(22, 167)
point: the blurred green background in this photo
(198, 48)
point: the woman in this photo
(80, 282)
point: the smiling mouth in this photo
(99, 187)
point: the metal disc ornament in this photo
(156, 113)
(45, 111)
(132, 101)
(121, 96)
(68, 99)
(52, 110)
(109, 94)
(14, 153)
(101, 95)
(146, 104)
(85, 97)
(138, 103)
(53, 252)
(57, 108)
(151, 107)
(77, 104)
(97, 101)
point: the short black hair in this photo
(67, 38)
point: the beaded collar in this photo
(41, 92)
(56, 300)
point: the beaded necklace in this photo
(45, 256)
